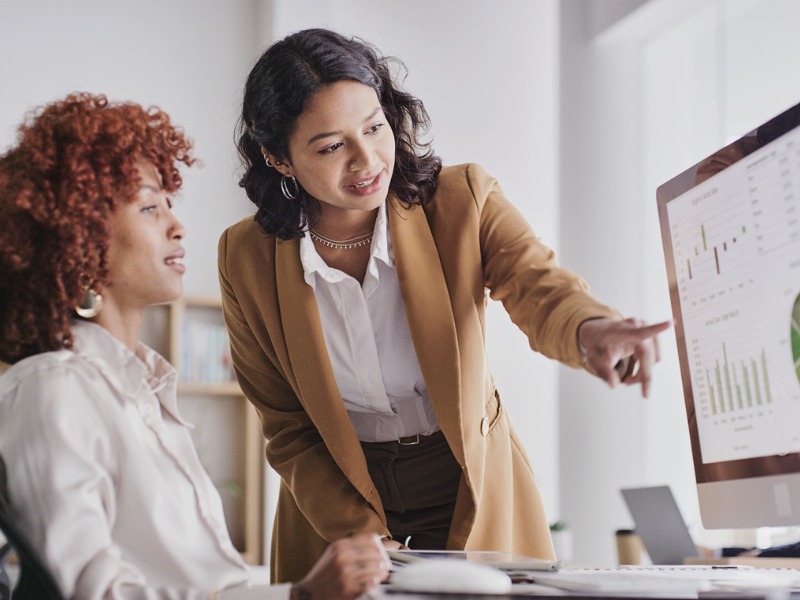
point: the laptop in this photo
(659, 524)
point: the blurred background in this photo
(581, 108)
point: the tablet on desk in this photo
(506, 561)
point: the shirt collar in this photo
(380, 249)
(381, 242)
(127, 370)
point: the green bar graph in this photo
(755, 380)
(727, 377)
(766, 376)
(735, 386)
(711, 393)
(747, 385)
(719, 248)
(738, 391)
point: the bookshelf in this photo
(191, 334)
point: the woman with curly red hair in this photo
(101, 470)
(74, 165)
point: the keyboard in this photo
(674, 581)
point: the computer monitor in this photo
(731, 232)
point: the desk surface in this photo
(700, 583)
(386, 595)
(551, 594)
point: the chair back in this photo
(35, 580)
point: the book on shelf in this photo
(205, 354)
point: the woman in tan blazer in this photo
(332, 149)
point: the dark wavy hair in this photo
(74, 162)
(278, 89)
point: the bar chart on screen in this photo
(710, 254)
(736, 385)
(737, 397)
(738, 265)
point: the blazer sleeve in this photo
(295, 448)
(545, 301)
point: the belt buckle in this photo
(411, 440)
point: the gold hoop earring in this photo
(91, 305)
(287, 193)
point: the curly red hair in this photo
(74, 162)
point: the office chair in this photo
(5, 582)
(35, 581)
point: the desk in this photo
(555, 595)
(552, 594)
(770, 562)
(697, 584)
(763, 579)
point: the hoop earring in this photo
(266, 160)
(287, 193)
(91, 305)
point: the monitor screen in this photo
(731, 232)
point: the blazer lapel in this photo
(311, 367)
(430, 316)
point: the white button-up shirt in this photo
(105, 480)
(369, 342)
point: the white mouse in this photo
(453, 575)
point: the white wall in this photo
(488, 75)
(579, 122)
(602, 437)
(188, 57)
(641, 101)
(489, 78)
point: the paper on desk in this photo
(670, 582)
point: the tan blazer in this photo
(468, 238)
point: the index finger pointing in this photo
(650, 330)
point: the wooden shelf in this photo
(210, 389)
(228, 432)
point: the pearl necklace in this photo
(356, 242)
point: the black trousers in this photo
(418, 484)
